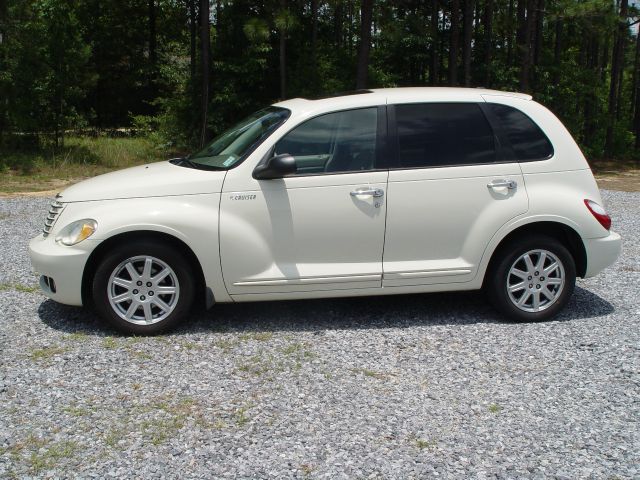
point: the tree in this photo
(366, 15)
(466, 46)
(454, 41)
(205, 46)
(617, 62)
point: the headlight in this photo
(77, 231)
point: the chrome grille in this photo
(54, 211)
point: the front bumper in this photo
(65, 265)
(601, 252)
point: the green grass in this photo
(50, 455)
(19, 287)
(109, 343)
(46, 353)
(495, 408)
(43, 169)
(426, 444)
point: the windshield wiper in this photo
(184, 162)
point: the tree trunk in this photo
(617, 61)
(218, 23)
(525, 47)
(205, 47)
(466, 48)
(283, 56)
(4, 102)
(454, 41)
(539, 33)
(314, 30)
(366, 16)
(488, 42)
(192, 34)
(337, 24)
(433, 71)
(153, 42)
(557, 52)
(509, 23)
(636, 93)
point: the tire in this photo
(514, 294)
(143, 288)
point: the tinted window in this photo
(437, 134)
(526, 138)
(335, 142)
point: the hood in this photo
(153, 180)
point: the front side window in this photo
(526, 138)
(443, 134)
(230, 147)
(334, 142)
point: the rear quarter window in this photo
(528, 141)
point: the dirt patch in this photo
(625, 181)
(34, 188)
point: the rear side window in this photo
(527, 140)
(443, 134)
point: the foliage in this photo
(102, 64)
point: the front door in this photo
(321, 229)
(451, 191)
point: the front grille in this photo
(54, 212)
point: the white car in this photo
(374, 192)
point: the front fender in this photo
(193, 219)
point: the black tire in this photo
(144, 248)
(498, 276)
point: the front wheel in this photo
(143, 288)
(532, 280)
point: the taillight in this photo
(598, 212)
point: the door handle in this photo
(374, 192)
(510, 184)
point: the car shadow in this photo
(355, 313)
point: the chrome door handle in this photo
(374, 192)
(510, 184)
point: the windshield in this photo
(230, 147)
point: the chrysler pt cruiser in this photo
(375, 192)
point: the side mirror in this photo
(275, 167)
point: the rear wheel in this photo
(532, 280)
(143, 288)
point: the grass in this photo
(43, 169)
(109, 343)
(42, 454)
(495, 408)
(19, 287)
(46, 353)
(425, 444)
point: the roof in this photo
(382, 96)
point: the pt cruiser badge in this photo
(242, 197)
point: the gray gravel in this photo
(415, 386)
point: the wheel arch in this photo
(562, 232)
(202, 294)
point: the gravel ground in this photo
(390, 387)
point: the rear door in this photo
(450, 190)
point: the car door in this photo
(452, 187)
(320, 229)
